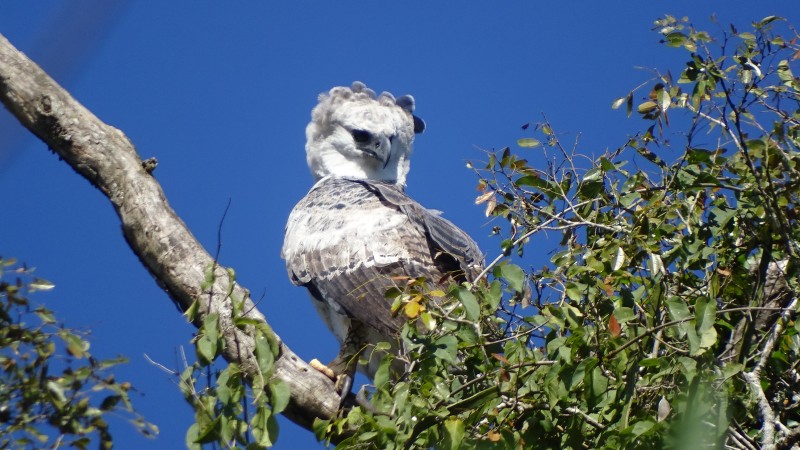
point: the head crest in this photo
(355, 132)
(358, 88)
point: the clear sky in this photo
(220, 93)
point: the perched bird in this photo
(356, 233)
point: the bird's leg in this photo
(344, 366)
(342, 369)
(339, 373)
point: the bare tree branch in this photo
(790, 440)
(103, 155)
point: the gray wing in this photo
(348, 241)
(464, 259)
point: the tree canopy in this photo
(667, 314)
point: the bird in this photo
(356, 234)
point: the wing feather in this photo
(347, 239)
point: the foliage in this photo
(52, 391)
(666, 317)
(231, 411)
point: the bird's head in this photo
(355, 133)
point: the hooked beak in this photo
(378, 148)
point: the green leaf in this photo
(642, 427)
(39, 284)
(210, 432)
(664, 99)
(454, 429)
(192, 437)
(57, 392)
(695, 345)
(207, 343)
(581, 371)
(427, 320)
(76, 346)
(210, 326)
(767, 20)
(279, 395)
(675, 39)
(747, 36)
(206, 349)
(383, 346)
(494, 295)
(383, 374)
(264, 354)
(514, 275)
(446, 348)
(624, 314)
(110, 402)
(678, 309)
(528, 143)
(757, 147)
(264, 429)
(619, 102)
(574, 292)
(785, 73)
(705, 314)
(689, 366)
(708, 338)
(192, 311)
(470, 303)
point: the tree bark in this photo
(105, 156)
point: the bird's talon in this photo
(343, 385)
(325, 370)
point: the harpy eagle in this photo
(356, 232)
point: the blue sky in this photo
(220, 93)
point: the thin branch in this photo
(789, 440)
(576, 411)
(753, 379)
(767, 414)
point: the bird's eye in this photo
(361, 136)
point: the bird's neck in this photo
(335, 165)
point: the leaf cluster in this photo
(232, 411)
(666, 315)
(52, 391)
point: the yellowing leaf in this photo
(646, 107)
(412, 309)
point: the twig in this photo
(586, 417)
(161, 366)
(743, 441)
(753, 379)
